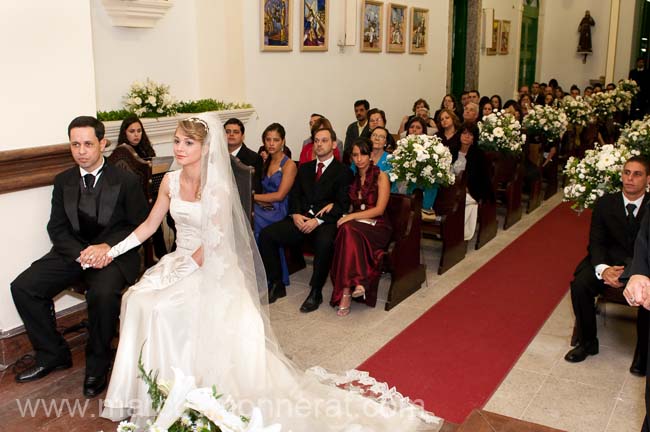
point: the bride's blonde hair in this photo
(194, 127)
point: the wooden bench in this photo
(449, 226)
(508, 178)
(487, 214)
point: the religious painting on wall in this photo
(371, 26)
(315, 25)
(419, 30)
(276, 25)
(504, 37)
(496, 26)
(396, 25)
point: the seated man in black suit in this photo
(235, 137)
(357, 128)
(94, 206)
(614, 225)
(318, 183)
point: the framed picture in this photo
(371, 22)
(315, 25)
(396, 25)
(496, 27)
(419, 30)
(504, 37)
(275, 28)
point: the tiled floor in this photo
(596, 395)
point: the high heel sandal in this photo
(359, 291)
(344, 310)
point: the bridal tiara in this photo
(200, 121)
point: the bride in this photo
(203, 309)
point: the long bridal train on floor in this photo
(213, 323)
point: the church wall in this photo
(46, 79)
(627, 26)
(498, 73)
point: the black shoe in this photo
(580, 352)
(639, 364)
(93, 386)
(312, 302)
(38, 372)
(277, 290)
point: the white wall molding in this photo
(136, 13)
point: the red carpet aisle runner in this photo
(455, 355)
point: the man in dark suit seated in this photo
(318, 183)
(356, 129)
(235, 137)
(614, 226)
(94, 206)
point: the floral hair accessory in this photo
(200, 121)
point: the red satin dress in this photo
(360, 247)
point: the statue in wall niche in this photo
(584, 28)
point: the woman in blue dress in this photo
(279, 174)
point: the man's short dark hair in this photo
(235, 121)
(475, 91)
(640, 159)
(88, 121)
(316, 115)
(326, 128)
(363, 102)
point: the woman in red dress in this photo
(363, 234)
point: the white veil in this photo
(237, 350)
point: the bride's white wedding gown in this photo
(161, 315)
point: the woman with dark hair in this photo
(362, 235)
(513, 107)
(377, 117)
(526, 104)
(485, 108)
(448, 130)
(420, 109)
(469, 161)
(497, 103)
(448, 102)
(132, 133)
(416, 126)
(263, 153)
(278, 176)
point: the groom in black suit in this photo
(235, 131)
(614, 225)
(318, 183)
(94, 206)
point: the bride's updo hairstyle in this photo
(195, 128)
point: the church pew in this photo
(508, 178)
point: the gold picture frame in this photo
(396, 28)
(504, 37)
(419, 31)
(372, 26)
(314, 20)
(496, 28)
(275, 25)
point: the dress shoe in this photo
(94, 385)
(581, 351)
(38, 372)
(312, 302)
(277, 290)
(639, 364)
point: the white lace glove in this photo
(124, 246)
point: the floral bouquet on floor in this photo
(149, 99)
(501, 132)
(182, 407)
(628, 85)
(578, 111)
(421, 160)
(598, 173)
(547, 122)
(636, 136)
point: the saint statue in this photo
(584, 28)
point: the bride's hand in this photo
(197, 256)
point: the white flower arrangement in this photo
(636, 136)
(598, 173)
(578, 111)
(622, 99)
(500, 131)
(150, 99)
(603, 105)
(422, 160)
(628, 85)
(546, 121)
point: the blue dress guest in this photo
(278, 176)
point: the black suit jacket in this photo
(121, 208)
(351, 134)
(608, 237)
(308, 194)
(252, 159)
(477, 174)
